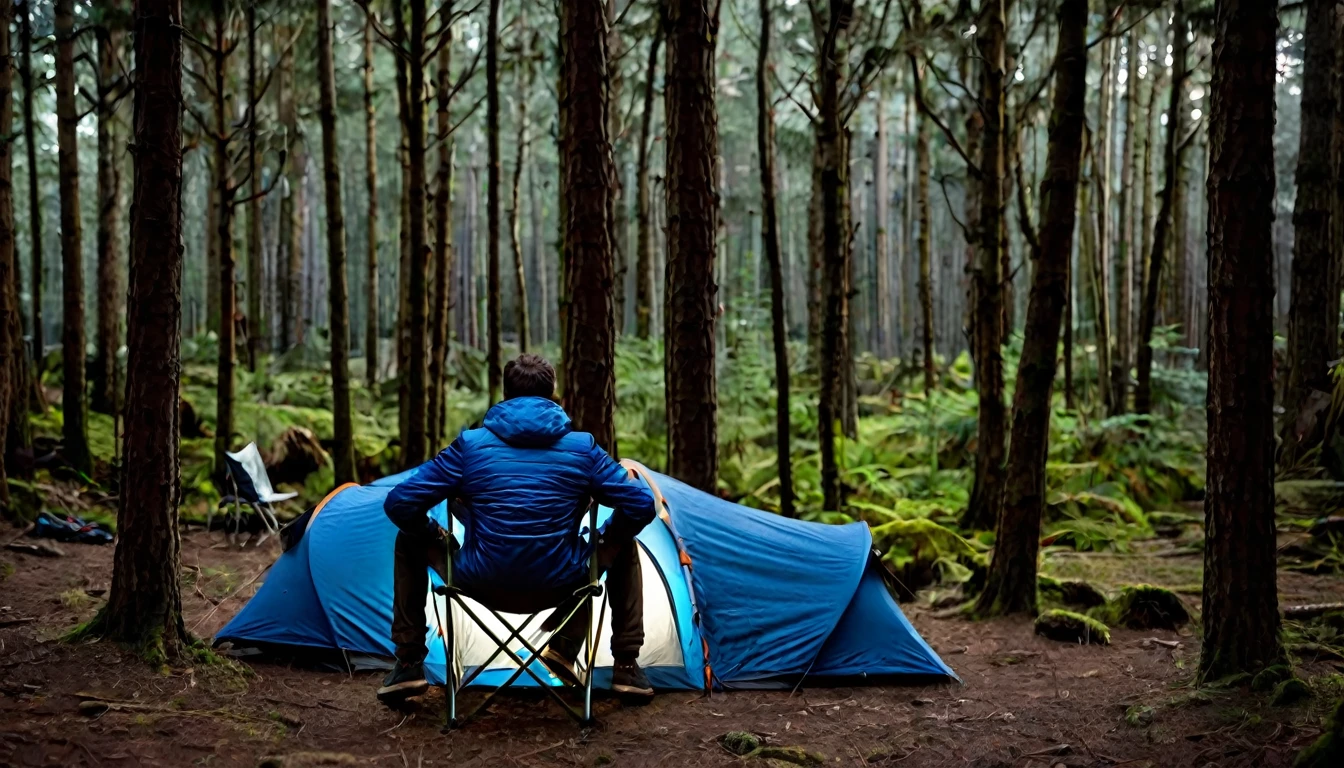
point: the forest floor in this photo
(1025, 701)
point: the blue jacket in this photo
(524, 482)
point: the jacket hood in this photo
(528, 422)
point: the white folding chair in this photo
(246, 472)
(568, 608)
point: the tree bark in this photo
(987, 281)
(224, 239)
(415, 444)
(289, 273)
(144, 606)
(620, 218)
(924, 241)
(493, 353)
(691, 295)
(1240, 610)
(103, 397)
(371, 334)
(814, 257)
(256, 326)
(343, 449)
(443, 248)
(765, 148)
(882, 313)
(1124, 263)
(11, 323)
(833, 73)
(1101, 168)
(24, 10)
(1011, 583)
(587, 178)
(644, 244)
(1143, 394)
(1313, 320)
(524, 78)
(74, 432)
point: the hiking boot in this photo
(403, 682)
(628, 679)
(561, 666)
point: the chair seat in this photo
(535, 601)
(271, 497)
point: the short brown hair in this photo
(529, 376)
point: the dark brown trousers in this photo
(414, 555)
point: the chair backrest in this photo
(249, 473)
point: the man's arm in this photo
(408, 505)
(631, 503)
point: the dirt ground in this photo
(1025, 701)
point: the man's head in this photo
(529, 376)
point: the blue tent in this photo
(745, 599)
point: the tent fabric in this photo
(734, 597)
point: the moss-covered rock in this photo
(740, 742)
(1267, 678)
(921, 552)
(1144, 606)
(1290, 692)
(1069, 592)
(1070, 627)
(1328, 750)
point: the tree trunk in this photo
(1011, 583)
(443, 249)
(103, 397)
(24, 10)
(644, 282)
(414, 446)
(256, 326)
(924, 241)
(620, 221)
(371, 334)
(11, 323)
(1313, 321)
(1146, 213)
(144, 606)
(403, 323)
(224, 238)
(1337, 139)
(882, 313)
(289, 272)
(987, 279)
(74, 431)
(1240, 611)
(586, 179)
(524, 78)
(765, 148)
(343, 450)
(1124, 262)
(539, 257)
(493, 354)
(814, 246)
(691, 295)
(833, 73)
(1101, 167)
(1143, 394)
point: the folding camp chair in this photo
(251, 486)
(569, 605)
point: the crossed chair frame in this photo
(456, 595)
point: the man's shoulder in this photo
(581, 442)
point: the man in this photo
(521, 486)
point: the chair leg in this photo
(450, 669)
(524, 665)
